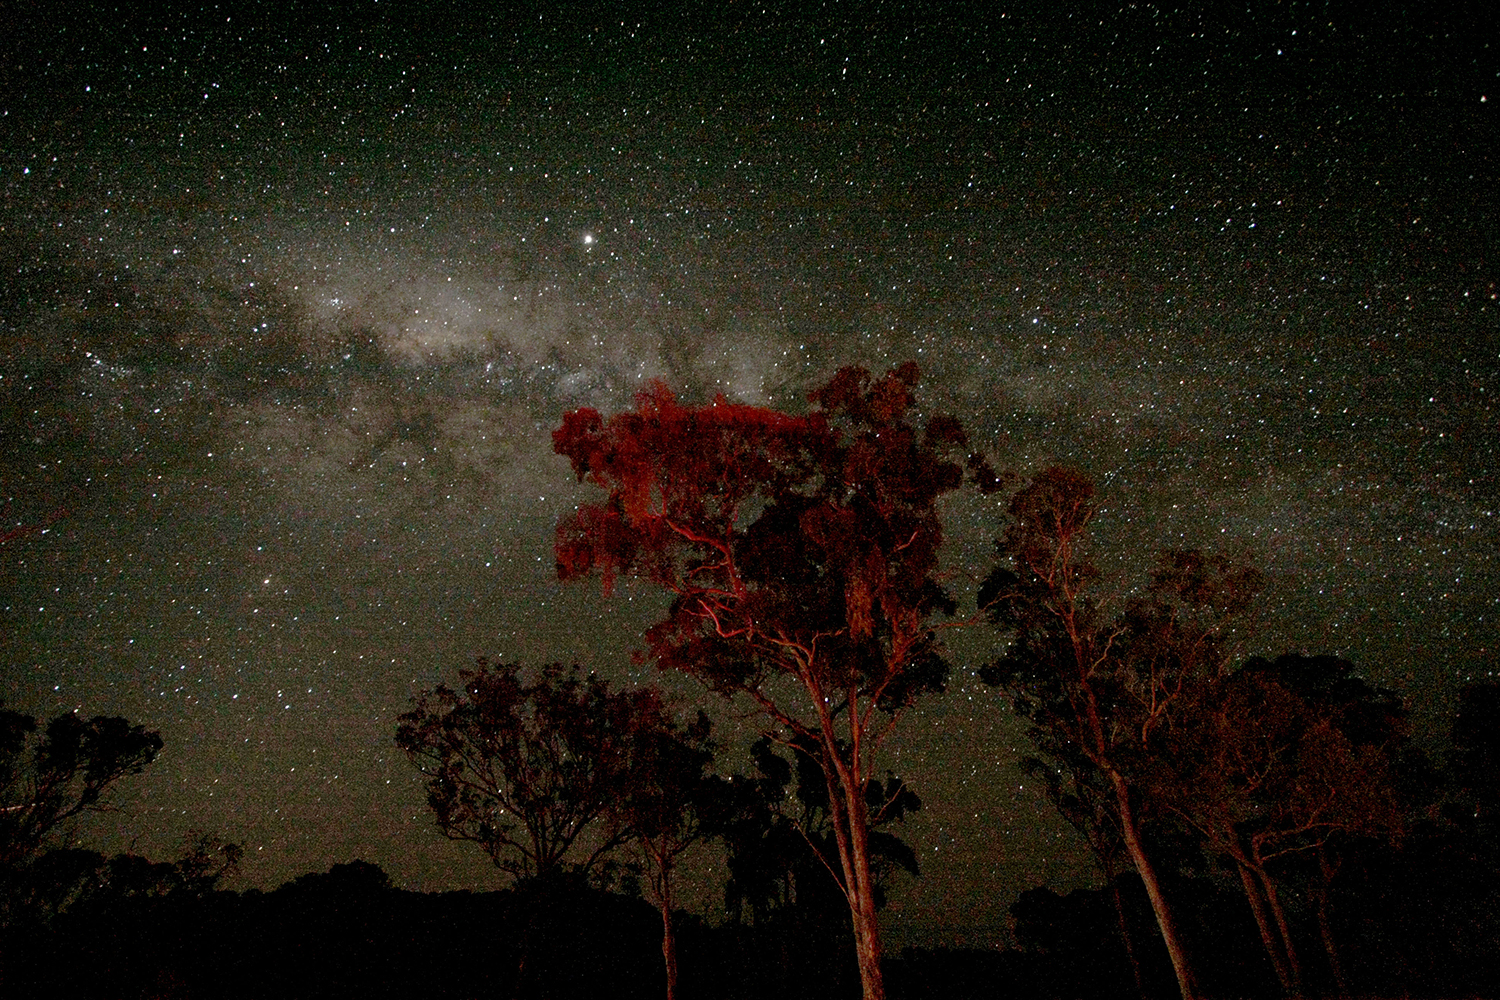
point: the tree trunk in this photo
(1293, 965)
(1268, 934)
(517, 986)
(668, 941)
(1186, 982)
(851, 832)
(870, 950)
(1125, 939)
(1325, 926)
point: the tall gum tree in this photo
(802, 551)
(1105, 686)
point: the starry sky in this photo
(291, 299)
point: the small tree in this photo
(667, 805)
(802, 555)
(525, 767)
(528, 768)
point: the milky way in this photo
(289, 307)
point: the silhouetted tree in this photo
(206, 861)
(68, 771)
(61, 879)
(668, 802)
(800, 549)
(523, 767)
(1099, 688)
(355, 881)
(49, 778)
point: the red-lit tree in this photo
(802, 553)
(1267, 763)
(1101, 689)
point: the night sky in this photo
(290, 302)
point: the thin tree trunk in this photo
(852, 837)
(846, 806)
(1135, 964)
(1334, 965)
(1268, 935)
(1325, 927)
(870, 951)
(517, 988)
(1286, 932)
(668, 939)
(1186, 982)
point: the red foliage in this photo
(797, 546)
(795, 538)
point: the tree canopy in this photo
(799, 548)
(1100, 683)
(1274, 759)
(52, 776)
(524, 764)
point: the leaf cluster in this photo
(803, 545)
(50, 777)
(523, 765)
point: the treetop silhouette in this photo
(524, 765)
(47, 781)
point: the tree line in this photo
(801, 554)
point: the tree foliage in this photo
(64, 878)
(793, 548)
(1272, 759)
(524, 765)
(798, 548)
(52, 776)
(1276, 759)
